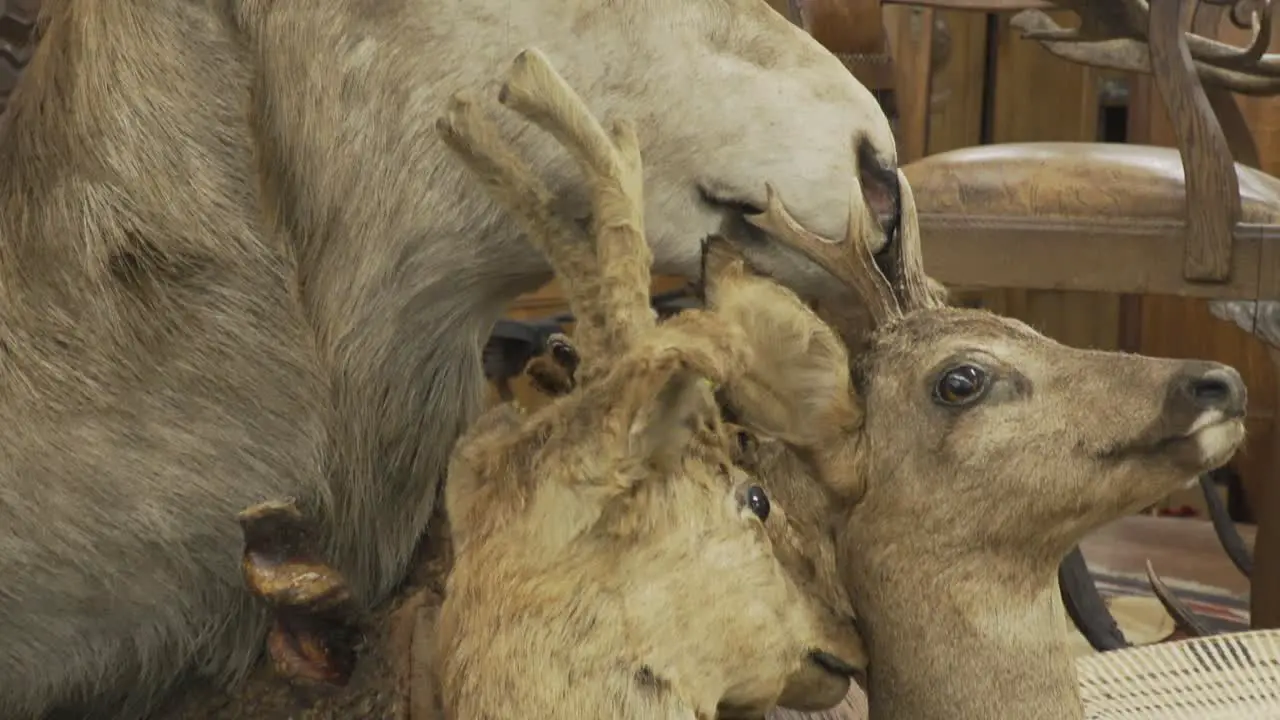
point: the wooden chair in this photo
(1112, 218)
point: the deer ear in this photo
(661, 434)
(797, 387)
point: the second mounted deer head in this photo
(967, 454)
(610, 559)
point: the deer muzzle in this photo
(1204, 412)
(1205, 393)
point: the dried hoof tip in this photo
(311, 652)
(563, 352)
(280, 563)
(314, 634)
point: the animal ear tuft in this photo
(937, 291)
(660, 436)
(797, 386)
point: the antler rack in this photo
(1115, 34)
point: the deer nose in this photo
(1212, 386)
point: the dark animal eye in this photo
(758, 501)
(564, 355)
(960, 385)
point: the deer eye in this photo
(758, 501)
(960, 385)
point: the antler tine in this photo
(475, 138)
(849, 262)
(1238, 81)
(1130, 55)
(612, 164)
(1085, 606)
(1253, 58)
(913, 285)
(1225, 528)
(1182, 615)
(535, 90)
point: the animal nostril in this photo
(1210, 390)
(1216, 389)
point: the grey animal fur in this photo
(236, 264)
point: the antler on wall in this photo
(1113, 34)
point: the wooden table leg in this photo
(1264, 593)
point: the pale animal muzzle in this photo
(1206, 394)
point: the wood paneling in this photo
(912, 44)
(956, 106)
(1038, 96)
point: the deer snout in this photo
(1209, 392)
(1204, 412)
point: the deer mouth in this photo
(1211, 424)
(832, 664)
(1215, 420)
(732, 206)
(1216, 433)
(734, 213)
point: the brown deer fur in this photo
(610, 560)
(237, 264)
(958, 506)
(395, 675)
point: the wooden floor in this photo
(1183, 548)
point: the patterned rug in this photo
(1222, 610)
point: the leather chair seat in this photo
(1065, 181)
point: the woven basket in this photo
(1235, 676)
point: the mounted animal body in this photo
(237, 264)
(970, 454)
(579, 530)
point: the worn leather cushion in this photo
(1072, 180)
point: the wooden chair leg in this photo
(1264, 594)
